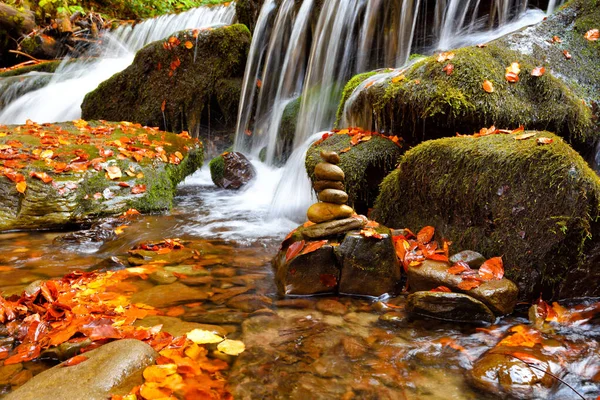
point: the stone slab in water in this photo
(169, 295)
(114, 367)
(369, 266)
(455, 307)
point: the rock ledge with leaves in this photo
(73, 173)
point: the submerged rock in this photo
(455, 307)
(169, 295)
(231, 170)
(56, 175)
(114, 368)
(536, 204)
(184, 84)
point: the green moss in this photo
(349, 88)
(365, 165)
(537, 205)
(217, 168)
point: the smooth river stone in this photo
(333, 196)
(329, 172)
(323, 212)
(322, 185)
(330, 228)
(330, 157)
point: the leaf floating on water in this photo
(567, 54)
(492, 269)
(231, 347)
(524, 136)
(592, 35)
(544, 140)
(201, 336)
(294, 250)
(488, 86)
(74, 361)
(441, 289)
(538, 71)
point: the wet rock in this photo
(169, 295)
(312, 273)
(249, 302)
(329, 172)
(323, 212)
(499, 295)
(225, 294)
(331, 228)
(111, 369)
(330, 306)
(162, 277)
(330, 156)
(221, 317)
(394, 317)
(176, 326)
(472, 258)
(354, 347)
(223, 272)
(322, 185)
(456, 307)
(66, 350)
(198, 280)
(302, 304)
(187, 270)
(8, 371)
(369, 266)
(333, 196)
(231, 170)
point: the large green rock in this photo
(364, 165)
(427, 103)
(76, 156)
(537, 205)
(191, 83)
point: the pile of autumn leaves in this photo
(55, 151)
(95, 308)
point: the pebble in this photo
(325, 184)
(333, 196)
(330, 157)
(323, 212)
(329, 172)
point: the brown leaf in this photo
(592, 35)
(425, 235)
(137, 189)
(294, 250)
(445, 57)
(44, 177)
(370, 232)
(524, 136)
(492, 269)
(328, 280)
(538, 71)
(567, 54)
(511, 77)
(488, 86)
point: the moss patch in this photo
(365, 165)
(536, 205)
(217, 168)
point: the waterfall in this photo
(60, 99)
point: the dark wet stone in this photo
(303, 304)
(198, 280)
(169, 295)
(333, 196)
(329, 172)
(66, 350)
(499, 295)
(237, 171)
(325, 184)
(223, 272)
(369, 266)
(111, 369)
(456, 307)
(176, 326)
(473, 258)
(219, 318)
(330, 157)
(331, 306)
(312, 273)
(331, 228)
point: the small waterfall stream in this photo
(61, 97)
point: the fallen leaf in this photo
(138, 189)
(113, 172)
(567, 54)
(188, 45)
(544, 140)
(313, 246)
(201, 336)
(294, 250)
(524, 136)
(458, 268)
(592, 35)
(425, 235)
(538, 71)
(445, 56)
(21, 187)
(448, 69)
(488, 86)
(556, 39)
(441, 289)
(74, 361)
(511, 77)
(258, 83)
(398, 78)
(163, 105)
(231, 347)
(482, 45)
(492, 269)
(370, 232)
(469, 284)
(44, 177)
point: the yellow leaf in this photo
(21, 187)
(524, 136)
(398, 78)
(47, 154)
(157, 373)
(200, 336)
(231, 347)
(113, 172)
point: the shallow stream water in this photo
(299, 348)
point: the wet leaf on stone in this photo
(294, 250)
(231, 347)
(313, 246)
(441, 289)
(538, 71)
(425, 235)
(201, 336)
(469, 284)
(458, 268)
(492, 269)
(74, 361)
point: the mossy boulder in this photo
(423, 102)
(364, 165)
(247, 12)
(190, 82)
(231, 170)
(536, 205)
(73, 173)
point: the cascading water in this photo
(61, 98)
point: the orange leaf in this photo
(258, 83)
(293, 250)
(188, 44)
(437, 257)
(567, 54)
(163, 105)
(74, 361)
(44, 177)
(445, 57)
(469, 284)
(492, 269)
(538, 71)
(442, 289)
(544, 140)
(592, 35)
(313, 246)
(458, 268)
(425, 235)
(511, 77)
(488, 86)
(21, 187)
(137, 189)
(448, 69)
(556, 39)
(370, 232)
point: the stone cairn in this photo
(331, 215)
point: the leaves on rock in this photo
(445, 56)
(441, 289)
(74, 361)
(294, 250)
(492, 269)
(544, 140)
(313, 246)
(567, 54)
(538, 71)
(592, 35)
(425, 234)
(488, 86)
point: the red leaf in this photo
(425, 235)
(437, 257)
(448, 69)
(74, 361)
(137, 189)
(442, 289)
(313, 246)
(328, 280)
(293, 250)
(469, 284)
(458, 268)
(492, 269)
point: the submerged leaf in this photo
(231, 347)
(201, 336)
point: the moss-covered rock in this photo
(190, 82)
(231, 170)
(247, 12)
(76, 172)
(537, 205)
(427, 103)
(365, 165)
